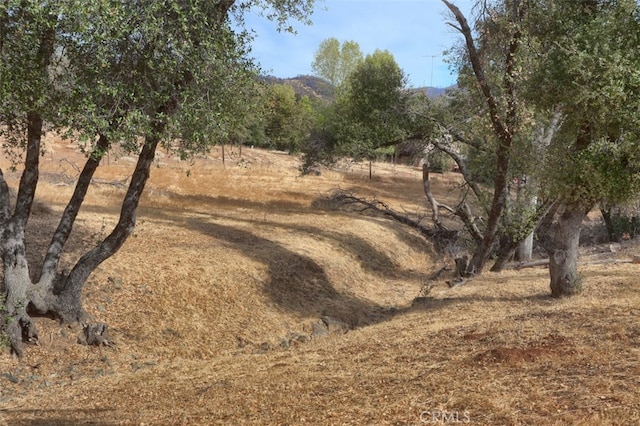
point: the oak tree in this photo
(128, 73)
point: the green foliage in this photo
(587, 68)
(286, 119)
(126, 69)
(372, 110)
(335, 62)
(317, 150)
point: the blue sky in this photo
(414, 31)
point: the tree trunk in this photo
(605, 211)
(56, 247)
(503, 122)
(17, 281)
(68, 304)
(563, 251)
(505, 254)
(524, 253)
(543, 219)
(59, 294)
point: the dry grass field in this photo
(215, 309)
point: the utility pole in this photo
(433, 57)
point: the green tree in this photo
(559, 82)
(335, 62)
(587, 71)
(131, 73)
(372, 111)
(490, 64)
(288, 118)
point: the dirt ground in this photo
(242, 298)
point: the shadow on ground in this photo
(296, 282)
(60, 417)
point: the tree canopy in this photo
(554, 89)
(336, 62)
(128, 73)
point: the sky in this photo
(414, 31)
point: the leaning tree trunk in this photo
(68, 303)
(55, 293)
(605, 211)
(17, 281)
(563, 251)
(503, 122)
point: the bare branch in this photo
(441, 236)
(462, 166)
(477, 67)
(462, 211)
(435, 206)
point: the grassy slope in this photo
(230, 261)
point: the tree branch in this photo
(462, 211)
(441, 236)
(70, 213)
(477, 67)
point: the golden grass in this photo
(229, 262)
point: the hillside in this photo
(307, 85)
(318, 88)
(243, 298)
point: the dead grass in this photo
(229, 263)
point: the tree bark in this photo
(524, 252)
(563, 251)
(5, 204)
(605, 211)
(17, 281)
(68, 304)
(503, 124)
(52, 258)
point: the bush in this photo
(438, 161)
(624, 226)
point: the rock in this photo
(11, 377)
(335, 325)
(319, 329)
(96, 335)
(116, 281)
(298, 338)
(264, 346)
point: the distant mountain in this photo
(433, 92)
(307, 85)
(318, 88)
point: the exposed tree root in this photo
(18, 330)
